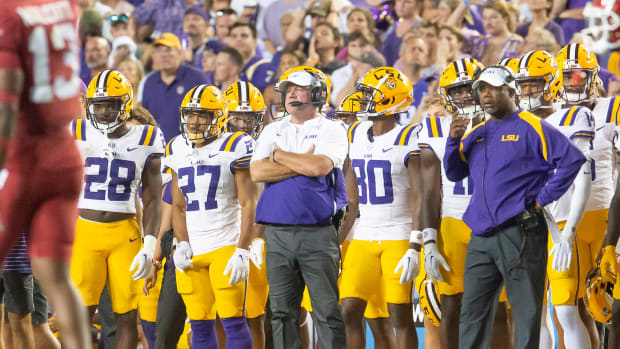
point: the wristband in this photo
(430, 236)
(416, 237)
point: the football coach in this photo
(300, 159)
(518, 164)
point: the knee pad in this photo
(203, 334)
(237, 332)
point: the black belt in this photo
(279, 225)
(518, 219)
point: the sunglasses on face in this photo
(117, 18)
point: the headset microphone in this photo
(298, 104)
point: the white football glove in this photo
(144, 259)
(238, 266)
(257, 248)
(410, 264)
(432, 260)
(562, 250)
(182, 256)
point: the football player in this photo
(211, 184)
(376, 312)
(609, 262)
(40, 166)
(385, 163)
(246, 109)
(446, 201)
(538, 83)
(579, 70)
(119, 159)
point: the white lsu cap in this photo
(496, 76)
(299, 78)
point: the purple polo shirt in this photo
(163, 101)
(511, 163)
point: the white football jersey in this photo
(207, 179)
(455, 195)
(380, 167)
(113, 166)
(605, 117)
(577, 124)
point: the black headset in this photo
(318, 94)
(508, 79)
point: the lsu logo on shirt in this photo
(510, 138)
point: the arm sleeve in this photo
(583, 185)
(453, 161)
(243, 153)
(333, 143)
(565, 158)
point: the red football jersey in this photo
(40, 37)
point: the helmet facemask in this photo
(578, 85)
(532, 91)
(461, 97)
(250, 122)
(199, 125)
(106, 114)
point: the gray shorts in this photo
(22, 295)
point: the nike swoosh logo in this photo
(132, 240)
(132, 148)
(387, 149)
(213, 155)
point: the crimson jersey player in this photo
(41, 167)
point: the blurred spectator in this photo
(499, 42)
(449, 45)
(133, 70)
(161, 16)
(207, 56)
(96, 52)
(195, 24)
(243, 38)
(344, 78)
(415, 56)
(119, 6)
(122, 48)
(359, 18)
(408, 12)
(324, 45)
(269, 29)
(224, 19)
(90, 26)
(570, 16)
(288, 59)
(539, 38)
(430, 35)
(228, 65)
(162, 91)
(321, 11)
(540, 19)
(121, 25)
